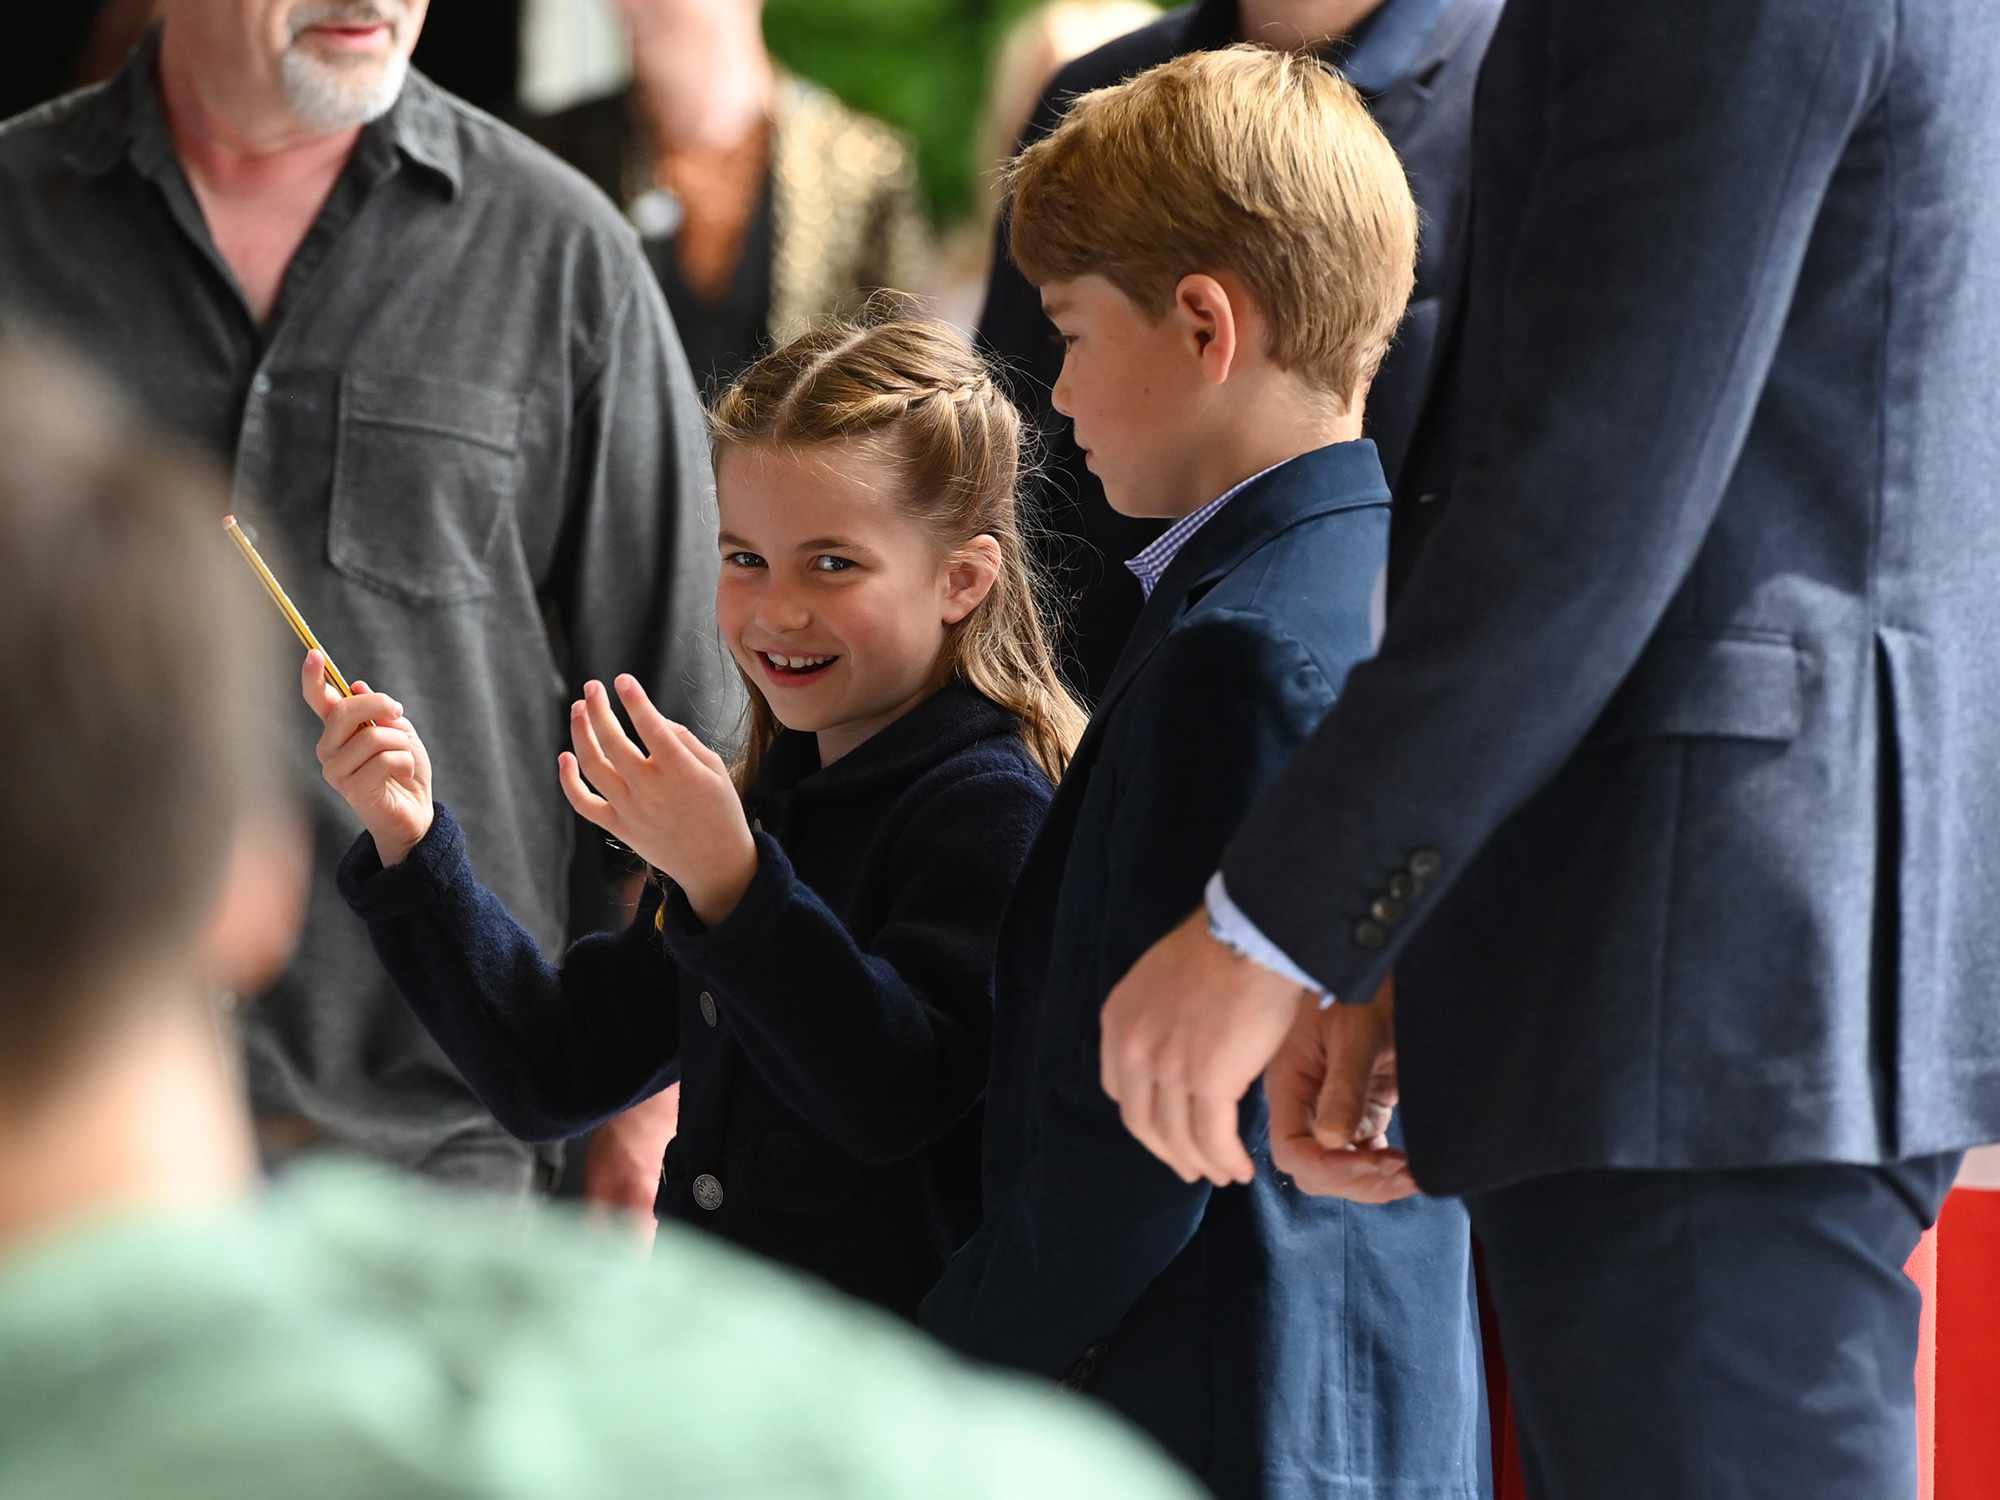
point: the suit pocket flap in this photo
(1744, 686)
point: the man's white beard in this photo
(327, 97)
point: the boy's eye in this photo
(1061, 340)
(742, 560)
(826, 562)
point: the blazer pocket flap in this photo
(1741, 686)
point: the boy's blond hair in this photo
(1261, 163)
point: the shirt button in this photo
(261, 386)
(707, 1192)
(708, 1007)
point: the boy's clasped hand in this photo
(671, 802)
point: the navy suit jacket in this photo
(1280, 1345)
(1681, 743)
(1415, 61)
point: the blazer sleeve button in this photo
(1370, 934)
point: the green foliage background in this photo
(918, 64)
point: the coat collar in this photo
(1397, 42)
(949, 722)
(128, 118)
(1341, 476)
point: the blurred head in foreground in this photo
(151, 865)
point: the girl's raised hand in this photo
(672, 802)
(380, 769)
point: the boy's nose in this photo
(1059, 395)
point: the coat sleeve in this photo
(884, 1045)
(1094, 1218)
(550, 1048)
(1688, 147)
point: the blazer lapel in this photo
(1341, 476)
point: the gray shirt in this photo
(468, 441)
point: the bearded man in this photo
(455, 412)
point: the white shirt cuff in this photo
(1230, 927)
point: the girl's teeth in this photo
(796, 662)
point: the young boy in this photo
(168, 1335)
(1225, 246)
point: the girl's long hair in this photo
(912, 395)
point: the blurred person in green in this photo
(171, 1331)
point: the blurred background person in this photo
(1415, 61)
(764, 202)
(1029, 53)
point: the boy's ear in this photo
(1208, 319)
(970, 574)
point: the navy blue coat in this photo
(1280, 1345)
(1415, 61)
(831, 1035)
(1691, 709)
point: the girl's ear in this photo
(969, 576)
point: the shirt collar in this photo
(1380, 52)
(130, 119)
(1149, 565)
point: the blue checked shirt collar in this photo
(1149, 565)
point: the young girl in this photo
(814, 966)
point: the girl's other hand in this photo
(380, 769)
(672, 802)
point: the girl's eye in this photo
(742, 560)
(826, 562)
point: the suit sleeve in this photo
(1688, 145)
(881, 1046)
(1094, 1218)
(550, 1048)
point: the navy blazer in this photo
(1280, 1345)
(1415, 61)
(831, 1035)
(1683, 735)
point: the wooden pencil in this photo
(285, 606)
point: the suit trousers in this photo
(1727, 1335)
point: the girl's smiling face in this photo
(834, 603)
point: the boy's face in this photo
(1130, 384)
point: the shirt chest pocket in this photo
(424, 476)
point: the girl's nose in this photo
(780, 610)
